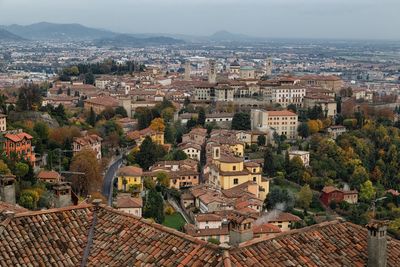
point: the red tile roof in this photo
(10, 207)
(281, 113)
(128, 202)
(266, 228)
(44, 175)
(58, 237)
(130, 171)
(18, 137)
(327, 244)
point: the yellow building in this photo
(227, 171)
(130, 176)
(139, 136)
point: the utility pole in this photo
(60, 151)
(374, 206)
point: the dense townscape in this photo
(122, 150)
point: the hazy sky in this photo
(370, 19)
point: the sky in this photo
(347, 19)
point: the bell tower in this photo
(212, 71)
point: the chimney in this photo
(62, 195)
(377, 243)
(7, 189)
(240, 229)
(96, 202)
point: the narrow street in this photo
(109, 177)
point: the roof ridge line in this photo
(53, 210)
(291, 232)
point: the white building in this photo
(283, 122)
(192, 150)
(129, 205)
(286, 95)
(102, 84)
(336, 130)
(303, 155)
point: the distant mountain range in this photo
(8, 36)
(78, 32)
(53, 31)
(228, 36)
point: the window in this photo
(254, 179)
(234, 168)
(236, 181)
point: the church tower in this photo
(212, 71)
(187, 70)
(268, 67)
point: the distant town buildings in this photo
(92, 142)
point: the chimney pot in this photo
(96, 202)
(9, 214)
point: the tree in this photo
(85, 161)
(315, 113)
(29, 97)
(201, 118)
(149, 183)
(157, 125)
(268, 167)
(108, 113)
(89, 78)
(278, 199)
(314, 126)
(146, 156)
(144, 117)
(261, 140)
(367, 191)
(179, 155)
(191, 123)
(121, 111)
(163, 179)
(74, 71)
(169, 134)
(92, 118)
(21, 169)
(42, 130)
(359, 176)
(241, 121)
(292, 107)
(296, 169)
(154, 206)
(168, 113)
(29, 199)
(304, 130)
(304, 197)
(4, 170)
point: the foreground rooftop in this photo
(96, 235)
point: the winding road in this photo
(109, 177)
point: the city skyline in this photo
(333, 19)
